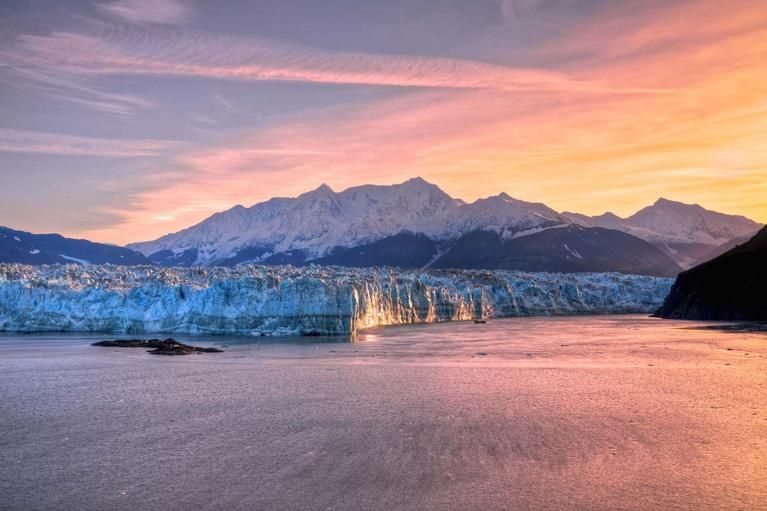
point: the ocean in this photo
(559, 413)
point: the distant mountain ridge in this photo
(416, 224)
(570, 249)
(688, 233)
(318, 221)
(27, 248)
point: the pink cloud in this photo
(50, 143)
(196, 54)
(703, 143)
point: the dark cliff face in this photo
(731, 287)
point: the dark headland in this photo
(731, 287)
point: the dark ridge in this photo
(35, 249)
(568, 249)
(730, 287)
(404, 250)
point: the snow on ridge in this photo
(573, 252)
(670, 222)
(283, 300)
(533, 230)
(84, 262)
(319, 220)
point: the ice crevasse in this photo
(285, 300)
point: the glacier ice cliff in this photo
(274, 300)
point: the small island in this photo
(157, 347)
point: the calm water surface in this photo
(600, 413)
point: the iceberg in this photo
(286, 300)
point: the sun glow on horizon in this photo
(629, 104)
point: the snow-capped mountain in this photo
(416, 224)
(316, 222)
(686, 232)
(34, 249)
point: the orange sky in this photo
(628, 106)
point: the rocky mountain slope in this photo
(729, 287)
(567, 249)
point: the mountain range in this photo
(417, 225)
(689, 233)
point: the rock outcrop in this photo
(729, 287)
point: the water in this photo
(530, 413)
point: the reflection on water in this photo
(532, 413)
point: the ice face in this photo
(274, 300)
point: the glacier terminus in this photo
(284, 300)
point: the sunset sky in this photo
(122, 121)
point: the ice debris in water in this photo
(285, 300)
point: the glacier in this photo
(286, 300)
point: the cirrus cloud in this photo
(20, 141)
(153, 11)
(158, 52)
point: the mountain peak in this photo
(419, 183)
(321, 191)
(663, 202)
(502, 197)
(419, 186)
(609, 215)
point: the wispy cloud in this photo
(19, 141)
(152, 11)
(573, 151)
(588, 147)
(224, 102)
(518, 10)
(154, 51)
(61, 84)
(74, 89)
(64, 64)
